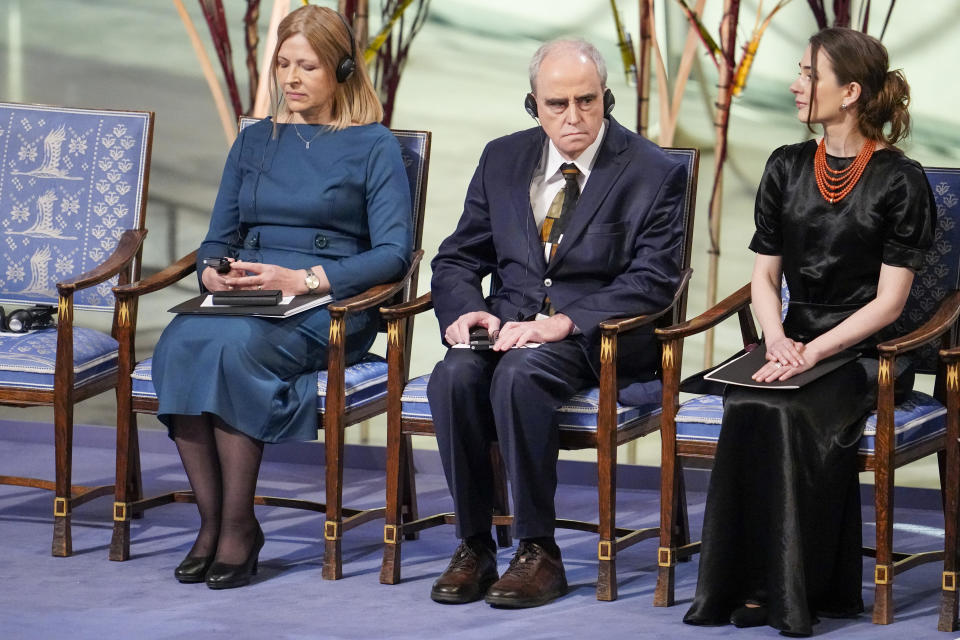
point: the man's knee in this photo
(460, 369)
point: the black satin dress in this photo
(782, 519)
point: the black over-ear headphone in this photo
(347, 64)
(24, 320)
(530, 104)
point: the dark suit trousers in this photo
(477, 397)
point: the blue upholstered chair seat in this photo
(578, 414)
(28, 360)
(920, 417)
(365, 382)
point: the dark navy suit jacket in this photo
(620, 253)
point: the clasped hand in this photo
(255, 275)
(785, 359)
(511, 334)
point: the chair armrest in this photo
(941, 321)
(376, 294)
(621, 325)
(400, 311)
(173, 273)
(126, 251)
(950, 355)
(730, 305)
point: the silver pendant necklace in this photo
(304, 140)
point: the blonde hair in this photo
(354, 100)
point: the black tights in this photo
(222, 465)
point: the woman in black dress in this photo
(847, 221)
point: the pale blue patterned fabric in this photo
(579, 413)
(28, 360)
(365, 382)
(919, 418)
(69, 187)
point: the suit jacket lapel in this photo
(609, 165)
(527, 161)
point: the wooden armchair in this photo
(894, 435)
(73, 186)
(346, 395)
(593, 418)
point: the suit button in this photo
(548, 282)
(320, 242)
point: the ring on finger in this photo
(259, 287)
(777, 365)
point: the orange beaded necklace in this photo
(835, 185)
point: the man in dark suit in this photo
(577, 220)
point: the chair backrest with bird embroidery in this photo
(71, 182)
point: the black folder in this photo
(297, 305)
(739, 370)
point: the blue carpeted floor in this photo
(87, 596)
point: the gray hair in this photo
(578, 45)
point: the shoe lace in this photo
(462, 557)
(523, 561)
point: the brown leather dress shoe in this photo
(468, 576)
(533, 579)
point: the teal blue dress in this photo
(343, 203)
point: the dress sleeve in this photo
(390, 221)
(225, 217)
(909, 219)
(767, 238)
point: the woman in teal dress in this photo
(847, 221)
(314, 201)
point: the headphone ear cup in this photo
(530, 105)
(345, 69)
(608, 102)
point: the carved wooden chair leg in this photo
(333, 525)
(63, 445)
(883, 571)
(396, 460)
(950, 486)
(671, 486)
(607, 495)
(501, 497)
(122, 495)
(409, 487)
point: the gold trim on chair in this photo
(605, 550)
(667, 356)
(120, 512)
(61, 507)
(953, 376)
(123, 314)
(391, 533)
(665, 557)
(884, 373)
(949, 580)
(336, 330)
(331, 530)
(883, 574)
(65, 309)
(607, 351)
(393, 333)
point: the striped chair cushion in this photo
(365, 382)
(28, 360)
(920, 417)
(578, 414)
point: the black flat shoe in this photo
(229, 576)
(193, 569)
(749, 616)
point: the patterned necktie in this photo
(558, 215)
(560, 211)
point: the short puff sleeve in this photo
(910, 217)
(768, 239)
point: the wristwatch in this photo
(312, 281)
